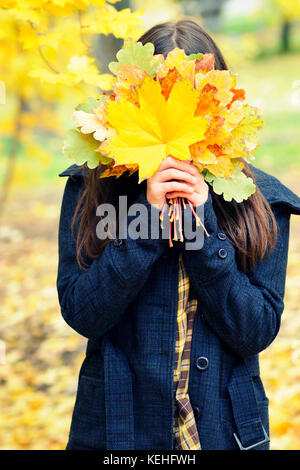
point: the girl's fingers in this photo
(199, 175)
(176, 186)
(172, 195)
(175, 174)
(183, 165)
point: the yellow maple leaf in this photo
(244, 136)
(145, 135)
(178, 59)
(222, 80)
(127, 79)
(222, 168)
(218, 138)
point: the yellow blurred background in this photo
(51, 58)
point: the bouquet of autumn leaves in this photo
(178, 105)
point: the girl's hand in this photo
(200, 190)
(176, 178)
(172, 176)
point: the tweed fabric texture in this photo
(125, 304)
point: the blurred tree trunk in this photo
(13, 152)
(209, 10)
(105, 47)
(286, 36)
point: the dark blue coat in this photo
(126, 305)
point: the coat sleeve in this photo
(243, 310)
(92, 301)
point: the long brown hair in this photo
(250, 225)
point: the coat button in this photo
(118, 242)
(202, 363)
(222, 253)
(196, 412)
(221, 236)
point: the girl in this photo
(173, 334)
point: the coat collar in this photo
(70, 170)
(274, 191)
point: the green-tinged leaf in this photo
(195, 56)
(135, 53)
(82, 148)
(89, 105)
(237, 187)
(249, 158)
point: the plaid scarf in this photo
(184, 426)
